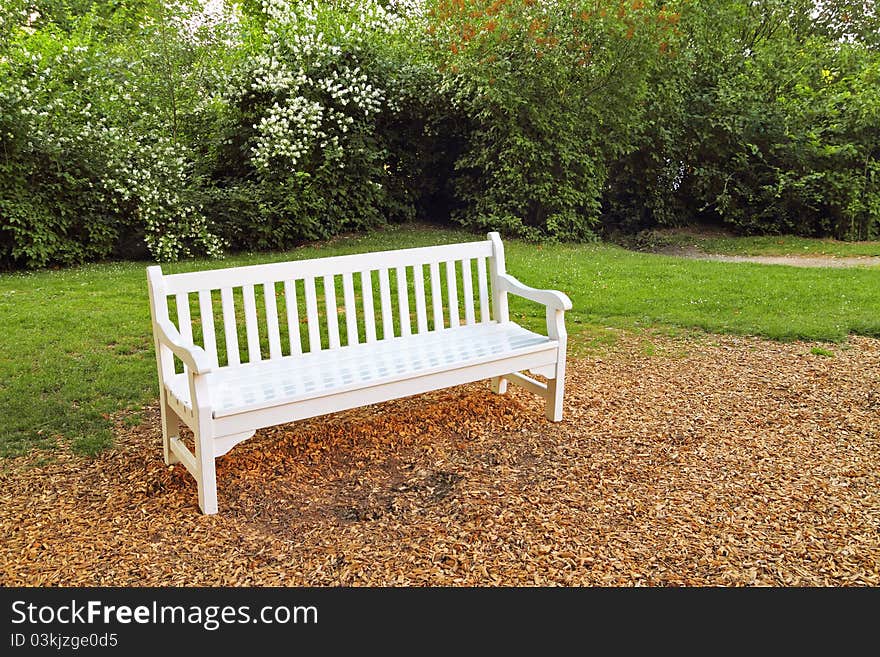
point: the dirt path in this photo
(792, 260)
(718, 461)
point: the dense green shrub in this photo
(550, 94)
(767, 122)
(798, 134)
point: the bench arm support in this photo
(550, 298)
(193, 356)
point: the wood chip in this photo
(724, 461)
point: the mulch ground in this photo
(716, 461)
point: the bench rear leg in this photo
(170, 429)
(499, 385)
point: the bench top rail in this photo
(212, 279)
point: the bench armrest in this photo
(550, 298)
(194, 357)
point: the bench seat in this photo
(263, 384)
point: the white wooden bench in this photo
(352, 360)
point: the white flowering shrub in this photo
(305, 151)
(90, 169)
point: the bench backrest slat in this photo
(184, 322)
(452, 293)
(419, 294)
(467, 285)
(312, 319)
(399, 293)
(206, 316)
(331, 310)
(272, 327)
(385, 298)
(484, 290)
(367, 298)
(403, 302)
(351, 326)
(436, 296)
(251, 326)
(292, 311)
(230, 328)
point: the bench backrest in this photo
(259, 312)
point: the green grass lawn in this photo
(770, 245)
(76, 343)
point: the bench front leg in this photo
(207, 472)
(203, 433)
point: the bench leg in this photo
(170, 429)
(555, 393)
(207, 477)
(499, 385)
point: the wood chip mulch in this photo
(715, 461)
